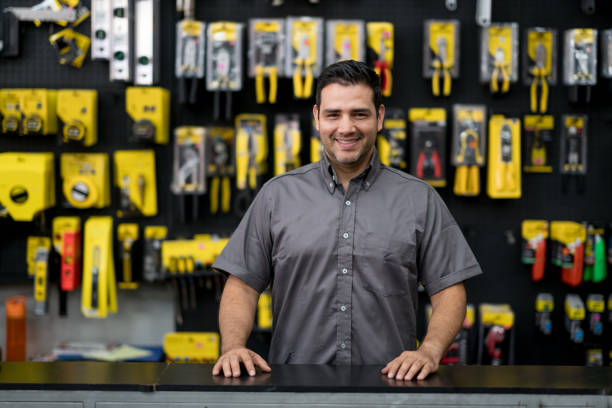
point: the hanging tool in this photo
(151, 265)
(533, 252)
(135, 179)
(251, 154)
(127, 235)
(581, 62)
(505, 177)
(428, 144)
(544, 306)
(101, 12)
(122, 36)
(86, 180)
(67, 243)
(266, 55)
(189, 167)
(146, 42)
(220, 167)
(380, 52)
(302, 88)
(149, 111)
(345, 41)
(77, 110)
(287, 143)
(504, 171)
(540, 74)
(190, 52)
(574, 315)
(41, 281)
(71, 47)
(381, 66)
(440, 64)
(467, 175)
(500, 71)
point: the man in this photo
(343, 243)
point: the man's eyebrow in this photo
(356, 110)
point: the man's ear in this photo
(315, 114)
(381, 116)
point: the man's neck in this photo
(346, 173)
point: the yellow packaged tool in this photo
(534, 234)
(266, 55)
(67, 242)
(441, 54)
(77, 110)
(574, 315)
(304, 54)
(251, 157)
(568, 242)
(345, 40)
(224, 63)
(86, 181)
(573, 150)
(287, 143)
(149, 109)
(381, 43)
(127, 235)
(220, 159)
(189, 160)
(541, 67)
(135, 179)
(391, 143)
(72, 47)
(469, 147)
(264, 311)
(504, 172)
(202, 250)
(33, 245)
(154, 236)
(316, 147)
(595, 307)
(10, 110)
(544, 306)
(499, 56)
(27, 184)
(539, 135)
(192, 347)
(428, 145)
(39, 107)
(580, 63)
(99, 293)
(496, 334)
(41, 279)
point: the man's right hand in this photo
(230, 361)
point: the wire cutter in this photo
(381, 66)
(304, 61)
(505, 177)
(467, 175)
(246, 169)
(221, 159)
(540, 74)
(440, 63)
(500, 68)
(265, 52)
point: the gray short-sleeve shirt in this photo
(344, 265)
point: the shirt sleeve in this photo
(247, 254)
(444, 256)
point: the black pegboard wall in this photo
(488, 224)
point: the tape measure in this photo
(80, 192)
(74, 131)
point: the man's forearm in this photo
(236, 313)
(448, 312)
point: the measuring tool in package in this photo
(428, 145)
(595, 308)
(154, 235)
(540, 69)
(149, 110)
(192, 347)
(567, 241)
(316, 147)
(573, 150)
(67, 242)
(469, 145)
(287, 143)
(224, 63)
(127, 236)
(606, 56)
(380, 52)
(28, 111)
(251, 158)
(266, 55)
(77, 110)
(27, 185)
(101, 16)
(220, 159)
(499, 56)
(544, 306)
(580, 63)
(539, 135)
(136, 182)
(37, 257)
(574, 315)
(146, 42)
(86, 180)
(189, 168)
(190, 52)
(534, 234)
(304, 53)
(34, 243)
(496, 334)
(10, 110)
(441, 54)
(121, 41)
(595, 269)
(99, 293)
(504, 170)
(345, 41)
(392, 143)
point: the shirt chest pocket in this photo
(385, 265)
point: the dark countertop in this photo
(304, 378)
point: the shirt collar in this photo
(368, 176)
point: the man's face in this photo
(347, 122)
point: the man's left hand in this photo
(409, 364)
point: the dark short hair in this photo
(350, 72)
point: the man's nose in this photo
(346, 124)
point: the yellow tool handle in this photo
(273, 84)
(298, 88)
(259, 84)
(447, 82)
(544, 96)
(242, 158)
(506, 80)
(127, 268)
(435, 82)
(460, 186)
(252, 178)
(533, 92)
(226, 192)
(473, 186)
(214, 195)
(387, 91)
(493, 83)
(307, 90)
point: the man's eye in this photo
(361, 115)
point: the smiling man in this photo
(343, 244)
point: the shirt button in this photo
(331, 185)
(344, 271)
(345, 235)
(343, 308)
(343, 346)
(347, 202)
